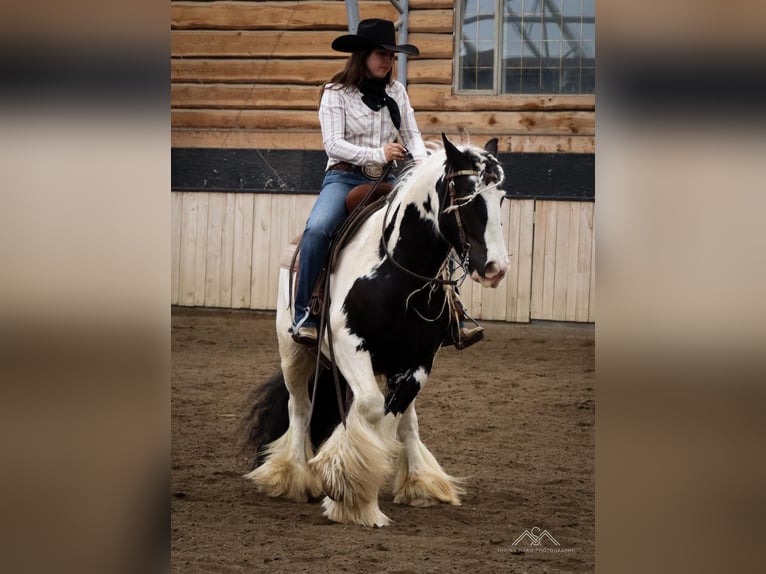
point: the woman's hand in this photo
(394, 151)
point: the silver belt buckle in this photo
(372, 171)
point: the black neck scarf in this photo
(375, 97)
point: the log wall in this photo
(248, 73)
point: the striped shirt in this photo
(354, 133)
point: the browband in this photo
(462, 172)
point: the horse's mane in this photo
(417, 180)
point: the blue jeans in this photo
(328, 212)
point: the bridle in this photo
(453, 207)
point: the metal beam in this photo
(402, 6)
(352, 14)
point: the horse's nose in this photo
(494, 272)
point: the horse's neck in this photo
(419, 245)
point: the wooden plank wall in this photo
(563, 274)
(247, 74)
(226, 246)
(226, 249)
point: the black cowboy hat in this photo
(373, 33)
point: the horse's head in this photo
(470, 219)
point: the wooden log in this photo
(432, 21)
(430, 72)
(440, 97)
(508, 123)
(495, 123)
(432, 46)
(246, 139)
(265, 71)
(312, 139)
(245, 119)
(548, 144)
(296, 71)
(244, 96)
(280, 44)
(423, 96)
(271, 15)
(431, 4)
(264, 44)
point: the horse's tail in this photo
(266, 416)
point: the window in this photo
(534, 47)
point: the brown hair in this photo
(352, 74)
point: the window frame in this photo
(498, 64)
(495, 91)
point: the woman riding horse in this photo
(359, 138)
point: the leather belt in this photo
(370, 171)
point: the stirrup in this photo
(468, 336)
(458, 335)
(463, 337)
(307, 335)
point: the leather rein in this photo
(453, 207)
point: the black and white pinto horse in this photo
(389, 316)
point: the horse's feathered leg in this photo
(285, 472)
(354, 463)
(420, 480)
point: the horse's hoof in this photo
(293, 482)
(333, 493)
(421, 492)
(363, 513)
(419, 502)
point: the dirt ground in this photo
(513, 414)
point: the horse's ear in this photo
(454, 157)
(491, 146)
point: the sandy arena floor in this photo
(513, 414)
